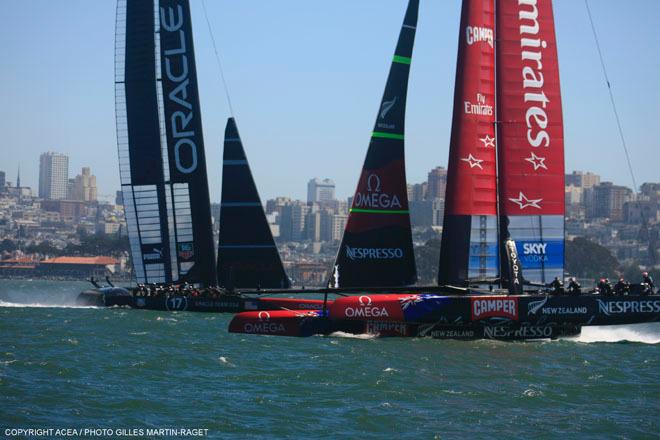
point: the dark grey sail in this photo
(247, 254)
(376, 249)
(161, 152)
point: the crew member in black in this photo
(557, 286)
(574, 287)
(646, 278)
(604, 286)
(621, 287)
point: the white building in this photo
(53, 175)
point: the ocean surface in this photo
(66, 367)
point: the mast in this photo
(531, 139)
(376, 249)
(161, 150)
(247, 254)
(469, 249)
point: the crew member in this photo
(557, 286)
(574, 287)
(604, 286)
(621, 287)
(646, 278)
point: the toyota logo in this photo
(264, 316)
(364, 300)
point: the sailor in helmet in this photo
(647, 279)
(574, 287)
(557, 286)
(621, 287)
(604, 286)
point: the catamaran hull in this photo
(505, 317)
(119, 297)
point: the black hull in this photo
(504, 332)
(227, 304)
(119, 297)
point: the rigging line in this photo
(618, 123)
(217, 59)
(609, 89)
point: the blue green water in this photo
(64, 367)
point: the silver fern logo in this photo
(386, 107)
(534, 306)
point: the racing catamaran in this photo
(504, 205)
(164, 181)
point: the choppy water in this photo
(65, 367)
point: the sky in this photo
(306, 79)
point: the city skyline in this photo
(291, 110)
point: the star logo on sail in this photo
(523, 202)
(489, 142)
(538, 162)
(473, 161)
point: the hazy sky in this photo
(306, 78)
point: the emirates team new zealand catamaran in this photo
(504, 203)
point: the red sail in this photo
(469, 236)
(471, 174)
(530, 136)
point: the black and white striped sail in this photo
(161, 151)
(247, 255)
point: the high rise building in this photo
(582, 180)
(119, 199)
(2, 181)
(276, 204)
(607, 201)
(84, 186)
(320, 190)
(53, 175)
(292, 221)
(313, 226)
(417, 191)
(437, 183)
(332, 225)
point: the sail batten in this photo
(376, 248)
(247, 254)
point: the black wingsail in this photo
(247, 255)
(159, 139)
(191, 206)
(376, 249)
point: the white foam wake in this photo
(43, 305)
(352, 336)
(648, 333)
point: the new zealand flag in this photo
(416, 306)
